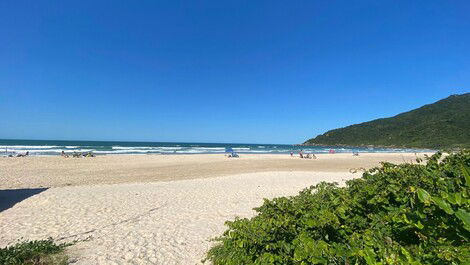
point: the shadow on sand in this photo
(8, 198)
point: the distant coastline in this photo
(368, 146)
(441, 125)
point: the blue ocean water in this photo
(48, 147)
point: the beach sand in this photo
(152, 209)
(38, 172)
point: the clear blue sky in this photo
(223, 71)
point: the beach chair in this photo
(234, 155)
(355, 153)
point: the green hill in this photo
(443, 124)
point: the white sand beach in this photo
(54, 171)
(147, 223)
(152, 209)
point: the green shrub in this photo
(39, 252)
(394, 214)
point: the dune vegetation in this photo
(395, 214)
(38, 252)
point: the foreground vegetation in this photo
(39, 252)
(444, 124)
(394, 214)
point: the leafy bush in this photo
(34, 252)
(394, 214)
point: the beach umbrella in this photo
(228, 150)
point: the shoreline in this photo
(69, 153)
(46, 148)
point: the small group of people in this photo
(308, 155)
(233, 154)
(230, 152)
(22, 155)
(78, 154)
(17, 155)
(302, 155)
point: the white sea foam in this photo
(145, 147)
(130, 147)
(259, 151)
(241, 148)
(28, 146)
(190, 152)
(125, 151)
(169, 148)
(208, 148)
(201, 151)
(34, 150)
(39, 151)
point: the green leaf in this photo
(240, 244)
(443, 205)
(407, 254)
(419, 225)
(464, 216)
(310, 222)
(466, 173)
(465, 262)
(369, 256)
(405, 219)
(423, 195)
(458, 198)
